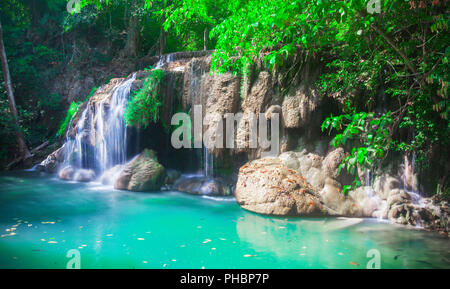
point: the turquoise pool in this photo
(42, 218)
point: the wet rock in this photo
(52, 162)
(384, 184)
(172, 176)
(201, 185)
(83, 175)
(330, 166)
(332, 196)
(137, 85)
(110, 176)
(143, 173)
(267, 186)
(101, 97)
(404, 208)
(66, 173)
(310, 167)
(290, 159)
(283, 185)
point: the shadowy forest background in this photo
(388, 70)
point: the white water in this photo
(164, 59)
(409, 181)
(208, 163)
(104, 126)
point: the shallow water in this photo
(117, 229)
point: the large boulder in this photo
(142, 173)
(110, 176)
(84, 175)
(69, 173)
(267, 186)
(66, 173)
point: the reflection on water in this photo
(41, 218)
(322, 240)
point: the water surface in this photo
(42, 218)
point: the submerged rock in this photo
(84, 175)
(172, 176)
(110, 176)
(66, 173)
(267, 186)
(142, 173)
(69, 173)
(201, 185)
(408, 208)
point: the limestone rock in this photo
(259, 95)
(267, 186)
(83, 175)
(53, 160)
(297, 108)
(110, 176)
(200, 185)
(172, 176)
(384, 184)
(66, 173)
(223, 98)
(142, 173)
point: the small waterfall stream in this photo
(409, 179)
(208, 163)
(100, 140)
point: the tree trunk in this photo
(23, 149)
(162, 33)
(131, 46)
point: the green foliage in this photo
(370, 136)
(73, 108)
(143, 108)
(395, 60)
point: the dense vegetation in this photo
(143, 107)
(387, 69)
(73, 108)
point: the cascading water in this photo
(100, 140)
(410, 181)
(208, 162)
(164, 59)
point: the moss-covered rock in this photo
(143, 173)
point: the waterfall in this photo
(208, 163)
(368, 178)
(410, 180)
(164, 59)
(100, 140)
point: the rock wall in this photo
(303, 179)
(277, 186)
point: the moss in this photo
(73, 108)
